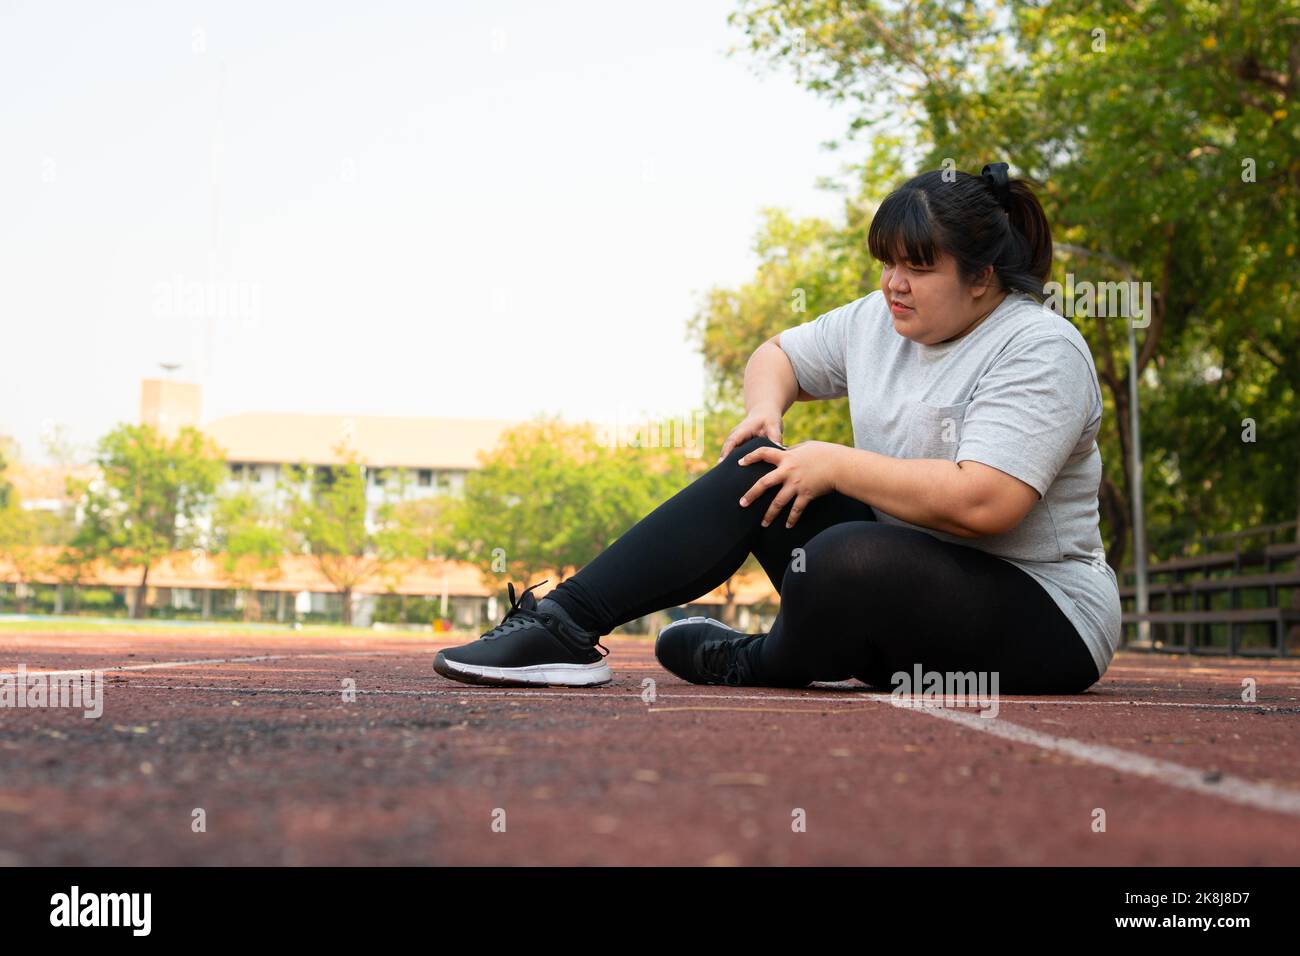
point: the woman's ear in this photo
(984, 282)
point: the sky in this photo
(448, 209)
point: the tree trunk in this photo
(729, 609)
(347, 607)
(142, 593)
(252, 606)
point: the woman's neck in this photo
(970, 328)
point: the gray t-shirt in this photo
(1019, 392)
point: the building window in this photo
(254, 473)
(426, 477)
(379, 477)
(237, 471)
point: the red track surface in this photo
(414, 770)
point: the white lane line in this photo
(595, 694)
(160, 665)
(1227, 787)
(155, 666)
(472, 692)
(1235, 789)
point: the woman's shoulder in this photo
(850, 320)
(869, 311)
(1039, 339)
(1032, 326)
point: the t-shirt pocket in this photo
(934, 431)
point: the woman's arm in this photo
(966, 498)
(770, 389)
(770, 382)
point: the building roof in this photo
(380, 441)
(45, 484)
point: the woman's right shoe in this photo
(705, 651)
(529, 648)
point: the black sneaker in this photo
(529, 648)
(704, 651)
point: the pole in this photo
(1135, 467)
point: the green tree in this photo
(149, 498)
(249, 538)
(552, 496)
(330, 518)
(418, 530)
(18, 546)
(805, 268)
(71, 565)
(6, 489)
(31, 542)
(1163, 137)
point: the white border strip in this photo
(1236, 789)
(160, 665)
(597, 694)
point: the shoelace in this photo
(519, 617)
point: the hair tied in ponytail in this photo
(995, 174)
(981, 221)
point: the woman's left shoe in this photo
(705, 651)
(529, 648)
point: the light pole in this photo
(1135, 466)
(1142, 605)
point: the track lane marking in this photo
(1227, 787)
(162, 665)
(594, 694)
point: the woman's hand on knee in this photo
(765, 422)
(803, 473)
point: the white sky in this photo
(466, 209)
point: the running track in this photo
(255, 731)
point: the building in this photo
(434, 455)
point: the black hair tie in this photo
(995, 175)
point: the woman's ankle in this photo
(560, 605)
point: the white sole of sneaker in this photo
(696, 620)
(535, 675)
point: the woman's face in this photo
(930, 304)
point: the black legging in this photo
(866, 599)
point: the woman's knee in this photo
(740, 478)
(743, 449)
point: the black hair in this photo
(927, 215)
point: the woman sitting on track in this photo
(960, 534)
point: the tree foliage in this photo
(1164, 139)
(149, 497)
(552, 496)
